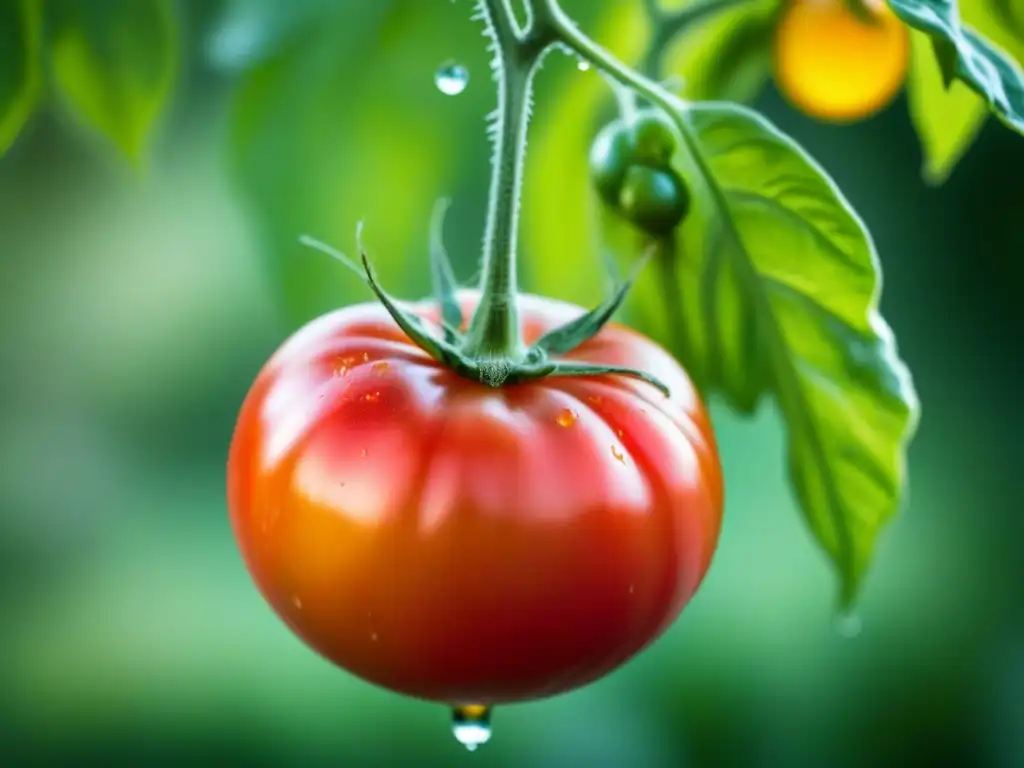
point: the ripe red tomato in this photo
(467, 544)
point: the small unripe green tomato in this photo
(654, 141)
(654, 199)
(610, 155)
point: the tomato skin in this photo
(466, 544)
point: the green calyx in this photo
(452, 347)
(489, 348)
(630, 163)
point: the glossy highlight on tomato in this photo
(462, 543)
(836, 67)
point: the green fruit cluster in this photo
(630, 163)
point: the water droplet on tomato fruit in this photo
(371, 397)
(380, 366)
(849, 625)
(566, 417)
(618, 455)
(342, 366)
(471, 725)
(362, 453)
(451, 78)
(297, 602)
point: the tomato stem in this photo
(494, 331)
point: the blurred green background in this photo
(138, 306)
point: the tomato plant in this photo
(490, 496)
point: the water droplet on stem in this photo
(583, 66)
(471, 725)
(451, 78)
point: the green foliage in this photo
(948, 117)
(728, 56)
(115, 62)
(774, 285)
(20, 66)
(1011, 14)
(252, 31)
(316, 149)
(965, 55)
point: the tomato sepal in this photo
(569, 336)
(411, 325)
(443, 275)
(554, 368)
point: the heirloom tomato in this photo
(466, 543)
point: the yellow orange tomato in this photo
(834, 66)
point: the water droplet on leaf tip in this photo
(451, 78)
(471, 725)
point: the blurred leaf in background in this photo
(728, 57)
(249, 32)
(341, 126)
(948, 118)
(115, 63)
(21, 23)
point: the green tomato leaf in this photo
(946, 113)
(115, 63)
(728, 56)
(20, 66)
(947, 119)
(775, 283)
(966, 55)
